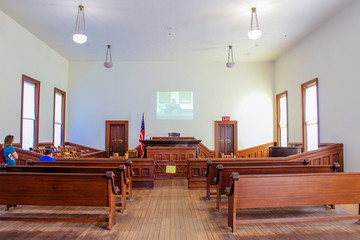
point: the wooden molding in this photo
(63, 111)
(308, 84)
(257, 151)
(37, 107)
(278, 132)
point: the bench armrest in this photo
(129, 162)
(110, 175)
(208, 164)
(219, 168)
(229, 190)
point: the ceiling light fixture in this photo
(108, 52)
(232, 63)
(255, 32)
(80, 33)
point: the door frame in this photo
(107, 134)
(217, 123)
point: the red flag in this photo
(142, 136)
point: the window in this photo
(59, 117)
(30, 112)
(282, 122)
(310, 115)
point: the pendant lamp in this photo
(255, 32)
(108, 64)
(232, 63)
(80, 32)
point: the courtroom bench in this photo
(211, 170)
(121, 182)
(223, 178)
(59, 189)
(140, 171)
(198, 168)
(90, 163)
(291, 190)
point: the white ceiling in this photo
(172, 30)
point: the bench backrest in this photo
(56, 189)
(211, 171)
(119, 171)
(261, 191)
(224, 173)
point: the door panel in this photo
(229, 139)
(226, 139)
(117, 139)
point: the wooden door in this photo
(117, 137)
(225, 138)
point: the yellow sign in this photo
(170, 169)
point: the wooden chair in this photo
(133, 153)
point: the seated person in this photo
(9, 152)
(48, 156)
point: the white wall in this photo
(22, 53)
(330, 54)
(98, 94)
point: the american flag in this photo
(142, 136)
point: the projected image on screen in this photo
(174, 105)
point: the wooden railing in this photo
(327, 154)
(205, 152)
(256, 152)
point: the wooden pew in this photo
(223, 174)
(141, 170)
(84, 163)
(121, 182)
(211, 170)
(59, 189)
(286, 190)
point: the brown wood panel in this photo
(177, 156)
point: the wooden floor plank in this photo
(172, 211)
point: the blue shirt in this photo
(9, 158)
(47, 159)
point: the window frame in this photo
(278, 129)
(36, 83)
(63, 93)
(304, 86)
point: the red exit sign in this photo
(226, 118)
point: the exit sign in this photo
(226, 118)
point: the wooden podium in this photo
(171, 152)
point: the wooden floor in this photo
(172, 211)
